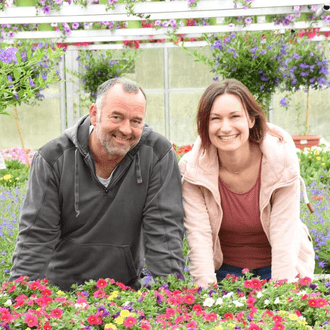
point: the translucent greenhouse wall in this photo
(172, 103)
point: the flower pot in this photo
(306, 141)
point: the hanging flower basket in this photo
(306, 141)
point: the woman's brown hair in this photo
(234, 87)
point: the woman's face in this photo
(229, 125)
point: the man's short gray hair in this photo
(128, 85)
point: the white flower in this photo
(208, 302)
(219, 301)
(267, 301)
(259, 294)
(228, 295)
(237, 303)
(8, 303)
(277, 300)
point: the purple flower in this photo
(32, 84)
(58, 2)
(327, 19)
(283, 102)
(8, 55)
(75, 25)
(46, 9)
(9, 78)
(248, 20)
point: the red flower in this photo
(47, 326)
(210, 317)
(6, 318)
(256, 283)
(277, 318)
(253, 326)
(313, 303)
(34, 285)
(197, 309)
(31, 320)
(321, 302)
(101, 283)
(278, 326)
(305, 281)
(94, 319)
(56, 313)
(189, 299)
(99, 294)
(130, 321)
(228, 316)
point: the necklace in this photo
(241, 169)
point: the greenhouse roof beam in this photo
(156, 10)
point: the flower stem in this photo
(18, 124)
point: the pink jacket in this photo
(292, 248)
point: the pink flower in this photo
(211, 317)
(305, 281)
(101, 283)
(31, 320)
(189, 299)
(99, 294)
(56, 313)
(130, 321)
(278, 326)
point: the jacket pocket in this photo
(76, 263)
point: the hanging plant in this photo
(252, 58)
(98, 67)
(306, 67)
(25, 71)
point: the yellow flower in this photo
(323, 164)
(293, 317)
(125, 313)
(318, 158)
(60, 293)
(218, 328)
(316, 152)
(7, 177)
(113, 295)
(110, 326)
(119, 320)
(17, 179)
(310, 157)
(232, 325)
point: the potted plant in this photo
(25, 70)
(254, 58)
(97, 67)
(306, 68)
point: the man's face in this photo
(121, 124)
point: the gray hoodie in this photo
(73, 228)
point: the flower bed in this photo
(171, 303)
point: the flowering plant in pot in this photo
(306, 68)
(25, 70)
(252, 58)
(97, 67)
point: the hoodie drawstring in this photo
(138, 169)
(304, 191)
(76, 184)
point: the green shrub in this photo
(14, 175)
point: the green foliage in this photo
(315, 165)
(253, 58)
(98, 67)
(25, 70)
(16, 174)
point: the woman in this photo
(241, 192)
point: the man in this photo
(101, 196)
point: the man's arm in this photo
(163, 219)
(39, 228)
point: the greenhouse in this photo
(54, 55)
